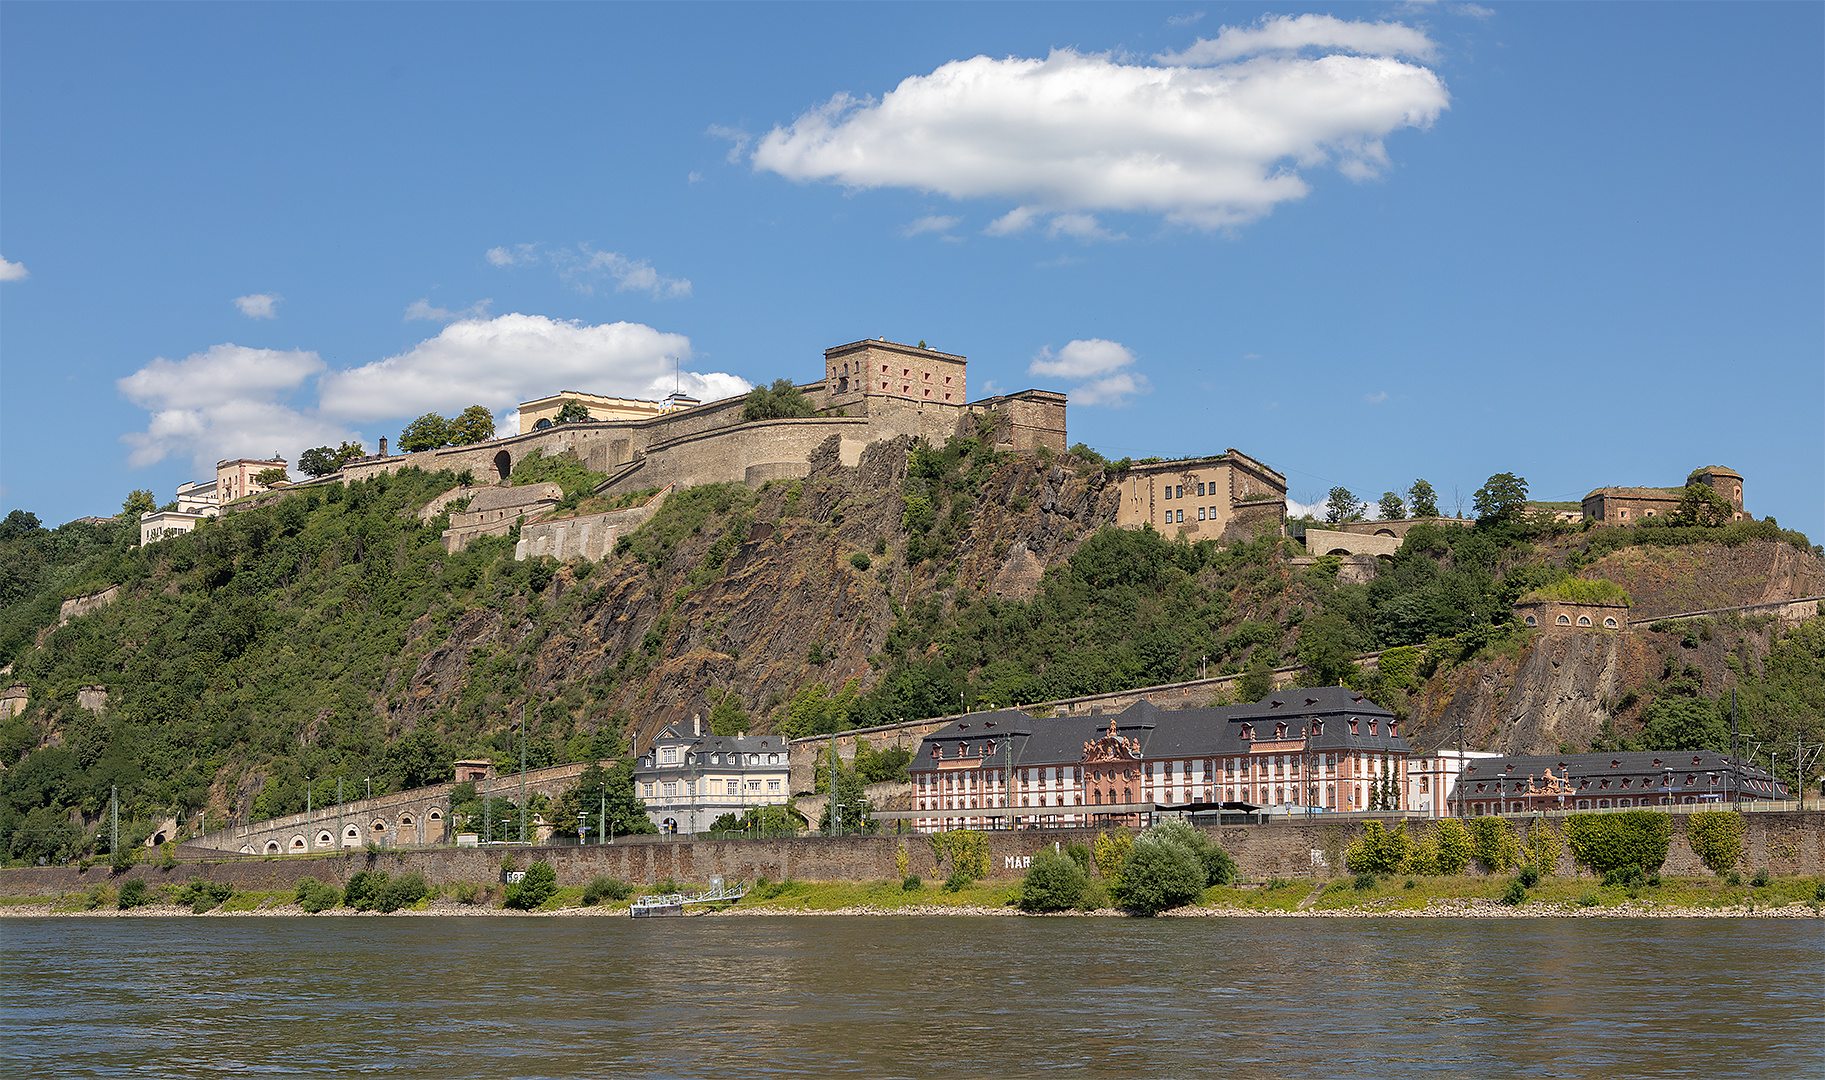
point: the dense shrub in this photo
(967, 851)
(1716, 836)
(204, 895)
(363, 890)
(911, 883)
(1380, 850)
(1446, 848)
(1159, 874)
(1516, 893)
(1540, 851)
(402, 891)
(133, 894)
(538, 886)
(606, 888)
(1054, 882)
(315, 896)
(1605, 842)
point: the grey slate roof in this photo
(1645, 770)
(1173, 733)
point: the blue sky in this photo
(1364, 243)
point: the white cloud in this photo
(1184, 20)
(1292, 33)
(1082, 226)
(1100, 363)
(581, 270)
(1206, 146)
(222, 403)
(1297, 509)
(738, 140)
(503, 361)
(1114, 390)
(1082, 359)
(1376, 398)
(517, 255)
(1474, 11)
(930, 223)
(693, 177)
(12, 271)
(422, 309)
(259, 305)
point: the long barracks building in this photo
(1326, 748)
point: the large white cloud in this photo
(1099, 364)
(225, 402)
(12, 271)
(234, 401)
(1206, 146)
(503, 361)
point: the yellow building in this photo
(1228, 496)
(542, 413)
(234, 479)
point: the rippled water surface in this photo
(911, 997)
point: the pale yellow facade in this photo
(234, 479)
(601, 409)
(1198, 497)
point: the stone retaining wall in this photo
(1791, 842)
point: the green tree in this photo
(324, 460)
(1258, 679)
(726, 715)
(270, 477)
(139, 501)
(428, 432)
(1501, 500)
(780, 401)
(1342, 505)
(626, 813)
(572, 412)
(1161, 871)
(1325, 650)
(851, 799)
(18, 524)
(1684, 723)
(1423, 501)
(1391, 507)
(1700, 504)
(539, 885)
(475, 424)
(1055, 882)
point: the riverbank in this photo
(1399, 898)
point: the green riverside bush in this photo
(133, 894)
(1716, 836)
(538, 886)
(1161, 871)
(315, 896)
(402, 891)
(606, 888)
(1054, 882)
(363, 890)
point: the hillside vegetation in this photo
(327, 634)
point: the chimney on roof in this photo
(696, 724)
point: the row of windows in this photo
(1175, 516)
(668, 755)
(671, 789)
(1262, 766)
(1183, 488)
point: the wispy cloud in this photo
(930, 223)
(1184, 20)
(423, 309)
(1376, 398)
(739, 140)
(585, 268)
(12, 271)
(259, 305)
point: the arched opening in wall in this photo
(325, 838)
(272, 847)
(1609, 624)
(503, 464)
(1531, 621)
(1337, 551)
(1563, 620)
(542, 424)
(1584, 620)
(1385, 532)
(297, 843)
(351, 834)
(379, 827)
(158, 838)
(405, 820)
(247, 849)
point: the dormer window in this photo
(668, 755)
(1280, 730)
(1353, 728)
(1392, 733)
(1248, 732)
(1317, 727)
(1371, 726)
(963, 749)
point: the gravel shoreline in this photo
(1436, 909)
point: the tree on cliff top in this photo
(475, 424)
(1342, 505)
(1501, 499)
(428, 432)
(780, 401)
(1424, 500)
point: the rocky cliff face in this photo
(757, 600)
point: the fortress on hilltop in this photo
(871, 390)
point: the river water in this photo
(911, 997)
